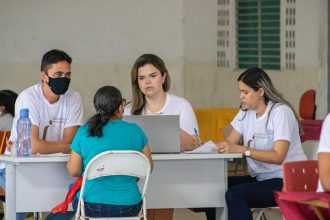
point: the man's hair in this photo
(52, 57)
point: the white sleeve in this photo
(26, 100)
(127, 109)
(188, 121)
(75, 116)
(284, 123)
(237, 122)
(324, 144)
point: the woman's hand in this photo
(225, 147)
(188, 142)
(196, 140)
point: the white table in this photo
(38, 183)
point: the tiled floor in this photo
(186, 214)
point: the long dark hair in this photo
(256, 78)
(107, 100)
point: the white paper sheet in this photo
(206, 148)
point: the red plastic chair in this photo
(300, 180)
(311, 130)
(307, 105)
(299, 176)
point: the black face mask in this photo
(59, 86)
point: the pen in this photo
(196, 133)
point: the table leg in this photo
(10, 191)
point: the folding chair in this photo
(310, 148)
(307, 107)
(109, 163)
(299, 176)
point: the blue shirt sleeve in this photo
(75, 145)
(143, 137)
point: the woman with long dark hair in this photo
(270, 130)
(112, 196)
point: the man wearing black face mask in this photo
(54, 110)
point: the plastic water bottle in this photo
(24, 134)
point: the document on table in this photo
(206, 148)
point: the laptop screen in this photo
(163, 131)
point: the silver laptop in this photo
(163, 131)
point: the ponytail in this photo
(96, 124)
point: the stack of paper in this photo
(206, 148)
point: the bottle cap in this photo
(24, 112)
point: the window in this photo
(258, 33)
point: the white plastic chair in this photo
(109, 163)
(310, 148)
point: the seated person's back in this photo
(106, 131)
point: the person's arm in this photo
(188, 142)
(147, 153)
(74, 165)
(324, 170)
(274, 156)
(188, 127)
(49, 147)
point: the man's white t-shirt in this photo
(324, 144)
(50, 118)
(282, 125)
(174, 105)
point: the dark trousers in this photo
(244, 193)
(105, 210)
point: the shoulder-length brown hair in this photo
(138, 98)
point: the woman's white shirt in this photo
(174, 105)
(324, 144)
(282, 125)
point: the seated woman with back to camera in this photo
(112, 196)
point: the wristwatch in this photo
(247, 152)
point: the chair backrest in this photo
(3, 136)
(310, 148)
(311, 129)
(307, 105)
(300, 176)
(110, 163)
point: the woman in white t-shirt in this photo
(324, 157)
(270, 130)
(150, 84)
